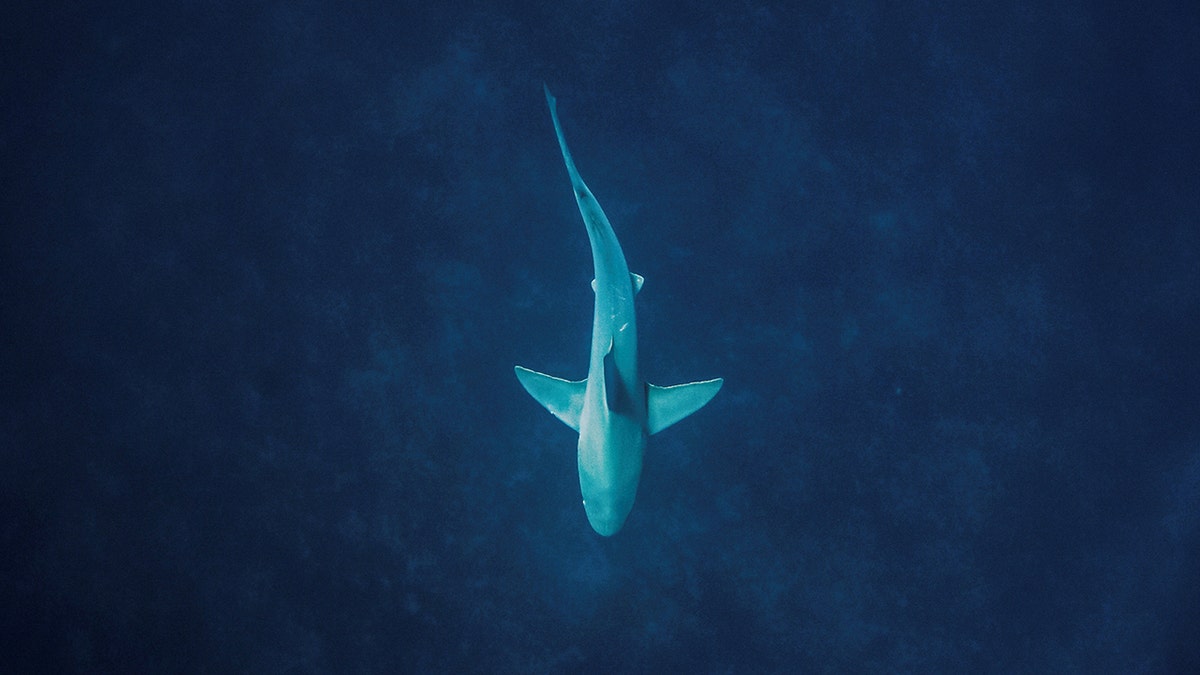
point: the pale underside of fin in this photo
(563, 398)
(667, 405)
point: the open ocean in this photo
(267, 268)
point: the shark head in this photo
(608, 479)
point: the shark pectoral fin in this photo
(667, 405)
(563, 398)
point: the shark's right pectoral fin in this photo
(667, 405)
(563, 398)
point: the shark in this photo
(614, 410)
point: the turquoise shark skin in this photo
(613, 410)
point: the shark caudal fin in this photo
(667, 405)
(563, 398)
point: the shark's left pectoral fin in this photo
(563, 398)
(667, 405)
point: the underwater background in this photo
(267, 268)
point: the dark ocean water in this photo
(267, 268)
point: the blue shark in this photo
(614, 409)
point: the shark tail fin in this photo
(563, 398)
(668, 405)
(576, 180)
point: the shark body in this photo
(614, 409)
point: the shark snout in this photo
(604, 516)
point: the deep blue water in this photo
(268, 266)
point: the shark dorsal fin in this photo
(614, 391)
(563, 398)
(667, 405)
